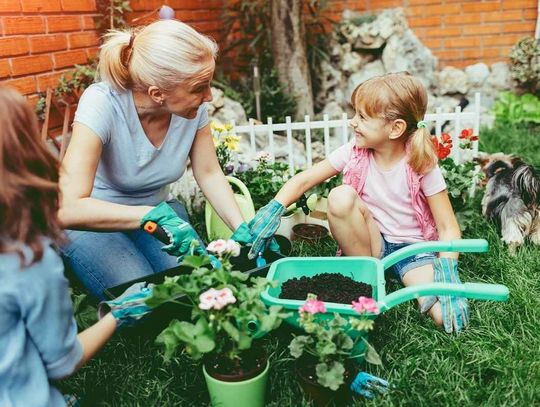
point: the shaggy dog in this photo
(512, 198)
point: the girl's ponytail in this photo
(422, 152)
(113, 66)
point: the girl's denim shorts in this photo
(399, 269)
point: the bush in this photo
(525, 65)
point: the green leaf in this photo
(371, 355)
(298, 344)
(330, 375)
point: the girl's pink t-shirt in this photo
(387, 195)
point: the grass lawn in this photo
(495, 362)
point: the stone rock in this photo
(452, 80)
(333, 110)
(372, 69)
(477, 74)
(406, 53)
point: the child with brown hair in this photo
(38, 334)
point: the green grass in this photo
(495, 362)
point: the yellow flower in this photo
(231, 142)
(217, 127)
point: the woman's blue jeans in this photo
(102, 260)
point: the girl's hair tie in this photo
(131, 39)
(421, 124)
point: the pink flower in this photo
(217, 247)
(224, 297)
(365, 304)
(313, 306)
(263, 156)
(233, 248)
(208, 299)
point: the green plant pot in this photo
(247, 393)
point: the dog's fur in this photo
(512, 198)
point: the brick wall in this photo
(459, 33)
(42, 39)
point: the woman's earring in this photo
(161, 102)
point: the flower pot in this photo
(309, 232)
(288, 222)
(321, 396)
(243, 393)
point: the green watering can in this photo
(370, 270)
(215, 227)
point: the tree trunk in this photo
(289, 52)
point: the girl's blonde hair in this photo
(400, 96)
(28, 178)
(163, 54)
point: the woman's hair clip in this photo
(421, 124)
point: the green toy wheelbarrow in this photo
(370, 270)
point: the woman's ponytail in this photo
(113, 66)
(422, 152)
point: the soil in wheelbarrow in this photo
(329, 287)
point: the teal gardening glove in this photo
(242, 235)
(455, 310)
(129, 307)
(263, 227)
(179, 231)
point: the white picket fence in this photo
(340, 128)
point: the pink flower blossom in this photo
(233, 248)
(224, 297)
(208, 299)
(365, 304)
(313, 306)
(263, 156)
(217, 247)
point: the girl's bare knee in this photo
(342, 201)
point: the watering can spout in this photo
(255, 329)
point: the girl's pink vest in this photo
(355, 173)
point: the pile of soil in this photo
(329, 287)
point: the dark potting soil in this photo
(252, 363)
(329, 287)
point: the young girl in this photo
(38, 334)
(393, 192)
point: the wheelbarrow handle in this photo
(478, 291)
(458, 245)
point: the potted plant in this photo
(325, 354)
(226, 319)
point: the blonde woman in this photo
(133, 133)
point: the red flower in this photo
(467, 134)
(445, 137)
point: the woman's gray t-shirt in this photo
(132, 171)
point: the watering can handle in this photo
(458, 245)
(241, 186)
(479, 291)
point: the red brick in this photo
(460, 19)
(525, 28)
(443, 10)
(83, 39)
(443, 32)
(13, 46)
(79, 5)
(48, 80)
(88, 23)
(43, 43)
(424, 22)
(481, 29)
(530, 14)
(31, 64)
(10, 6)
(519, 4)
(196, 4)
(415, 11)
(463, 42)
(4, 68)
(449, 55)
(382, 4)
(24, 85)
(432, 43)
(69, 58)
(92, 53)
(423, 2)
(40, 6)
(24, 25)
(477, 6)
(63, 23)
(507, 39)
(498, 16)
